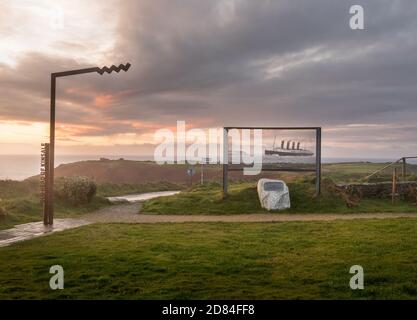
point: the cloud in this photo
(235, 62)
(270, 62)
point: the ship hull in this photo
(288, 153)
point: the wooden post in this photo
(44, 181)
(404, 169)
(51, 166)
(394, 185)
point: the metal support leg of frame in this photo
(225, 161)
(318, 162)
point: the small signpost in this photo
(44, 190)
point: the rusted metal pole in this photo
(225, 161)
(45, 169)
(49, 212)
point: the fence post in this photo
(404, 168)
(394, 185)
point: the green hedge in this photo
(75, 190)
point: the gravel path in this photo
(129, 213)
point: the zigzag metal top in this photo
(114, 68)
(101, 71)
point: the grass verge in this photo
(28, 209)
(291, 260)
(243, 198)
(19, 200)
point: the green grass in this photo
(10, 189)
(357, 171)
(243, 198)
(19, 200)
(291, 260)
(28, 209)
(19, 203)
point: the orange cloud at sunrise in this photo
(103, 101)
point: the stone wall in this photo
(380, 190)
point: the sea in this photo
(20, 167)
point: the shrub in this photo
(2, 213)
(411, 194)
(350, 196)
(14, 189)
(75, 190)
(412, 177)
(21, 206)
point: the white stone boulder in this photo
(273, 194)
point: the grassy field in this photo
(292, 260)
(357, 171)
(243, 198)
(288, 260)
(19, 199)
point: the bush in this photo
(412, 177)
(21, 206)
(75, 190)
(411, 194)
(350, 196)
(2, 213)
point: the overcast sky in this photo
(210, 63)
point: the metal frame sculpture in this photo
(49, 169)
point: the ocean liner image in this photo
(289, 148)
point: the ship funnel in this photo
(282, 144)
(293, 145)
(298, 146)
(288, 145)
